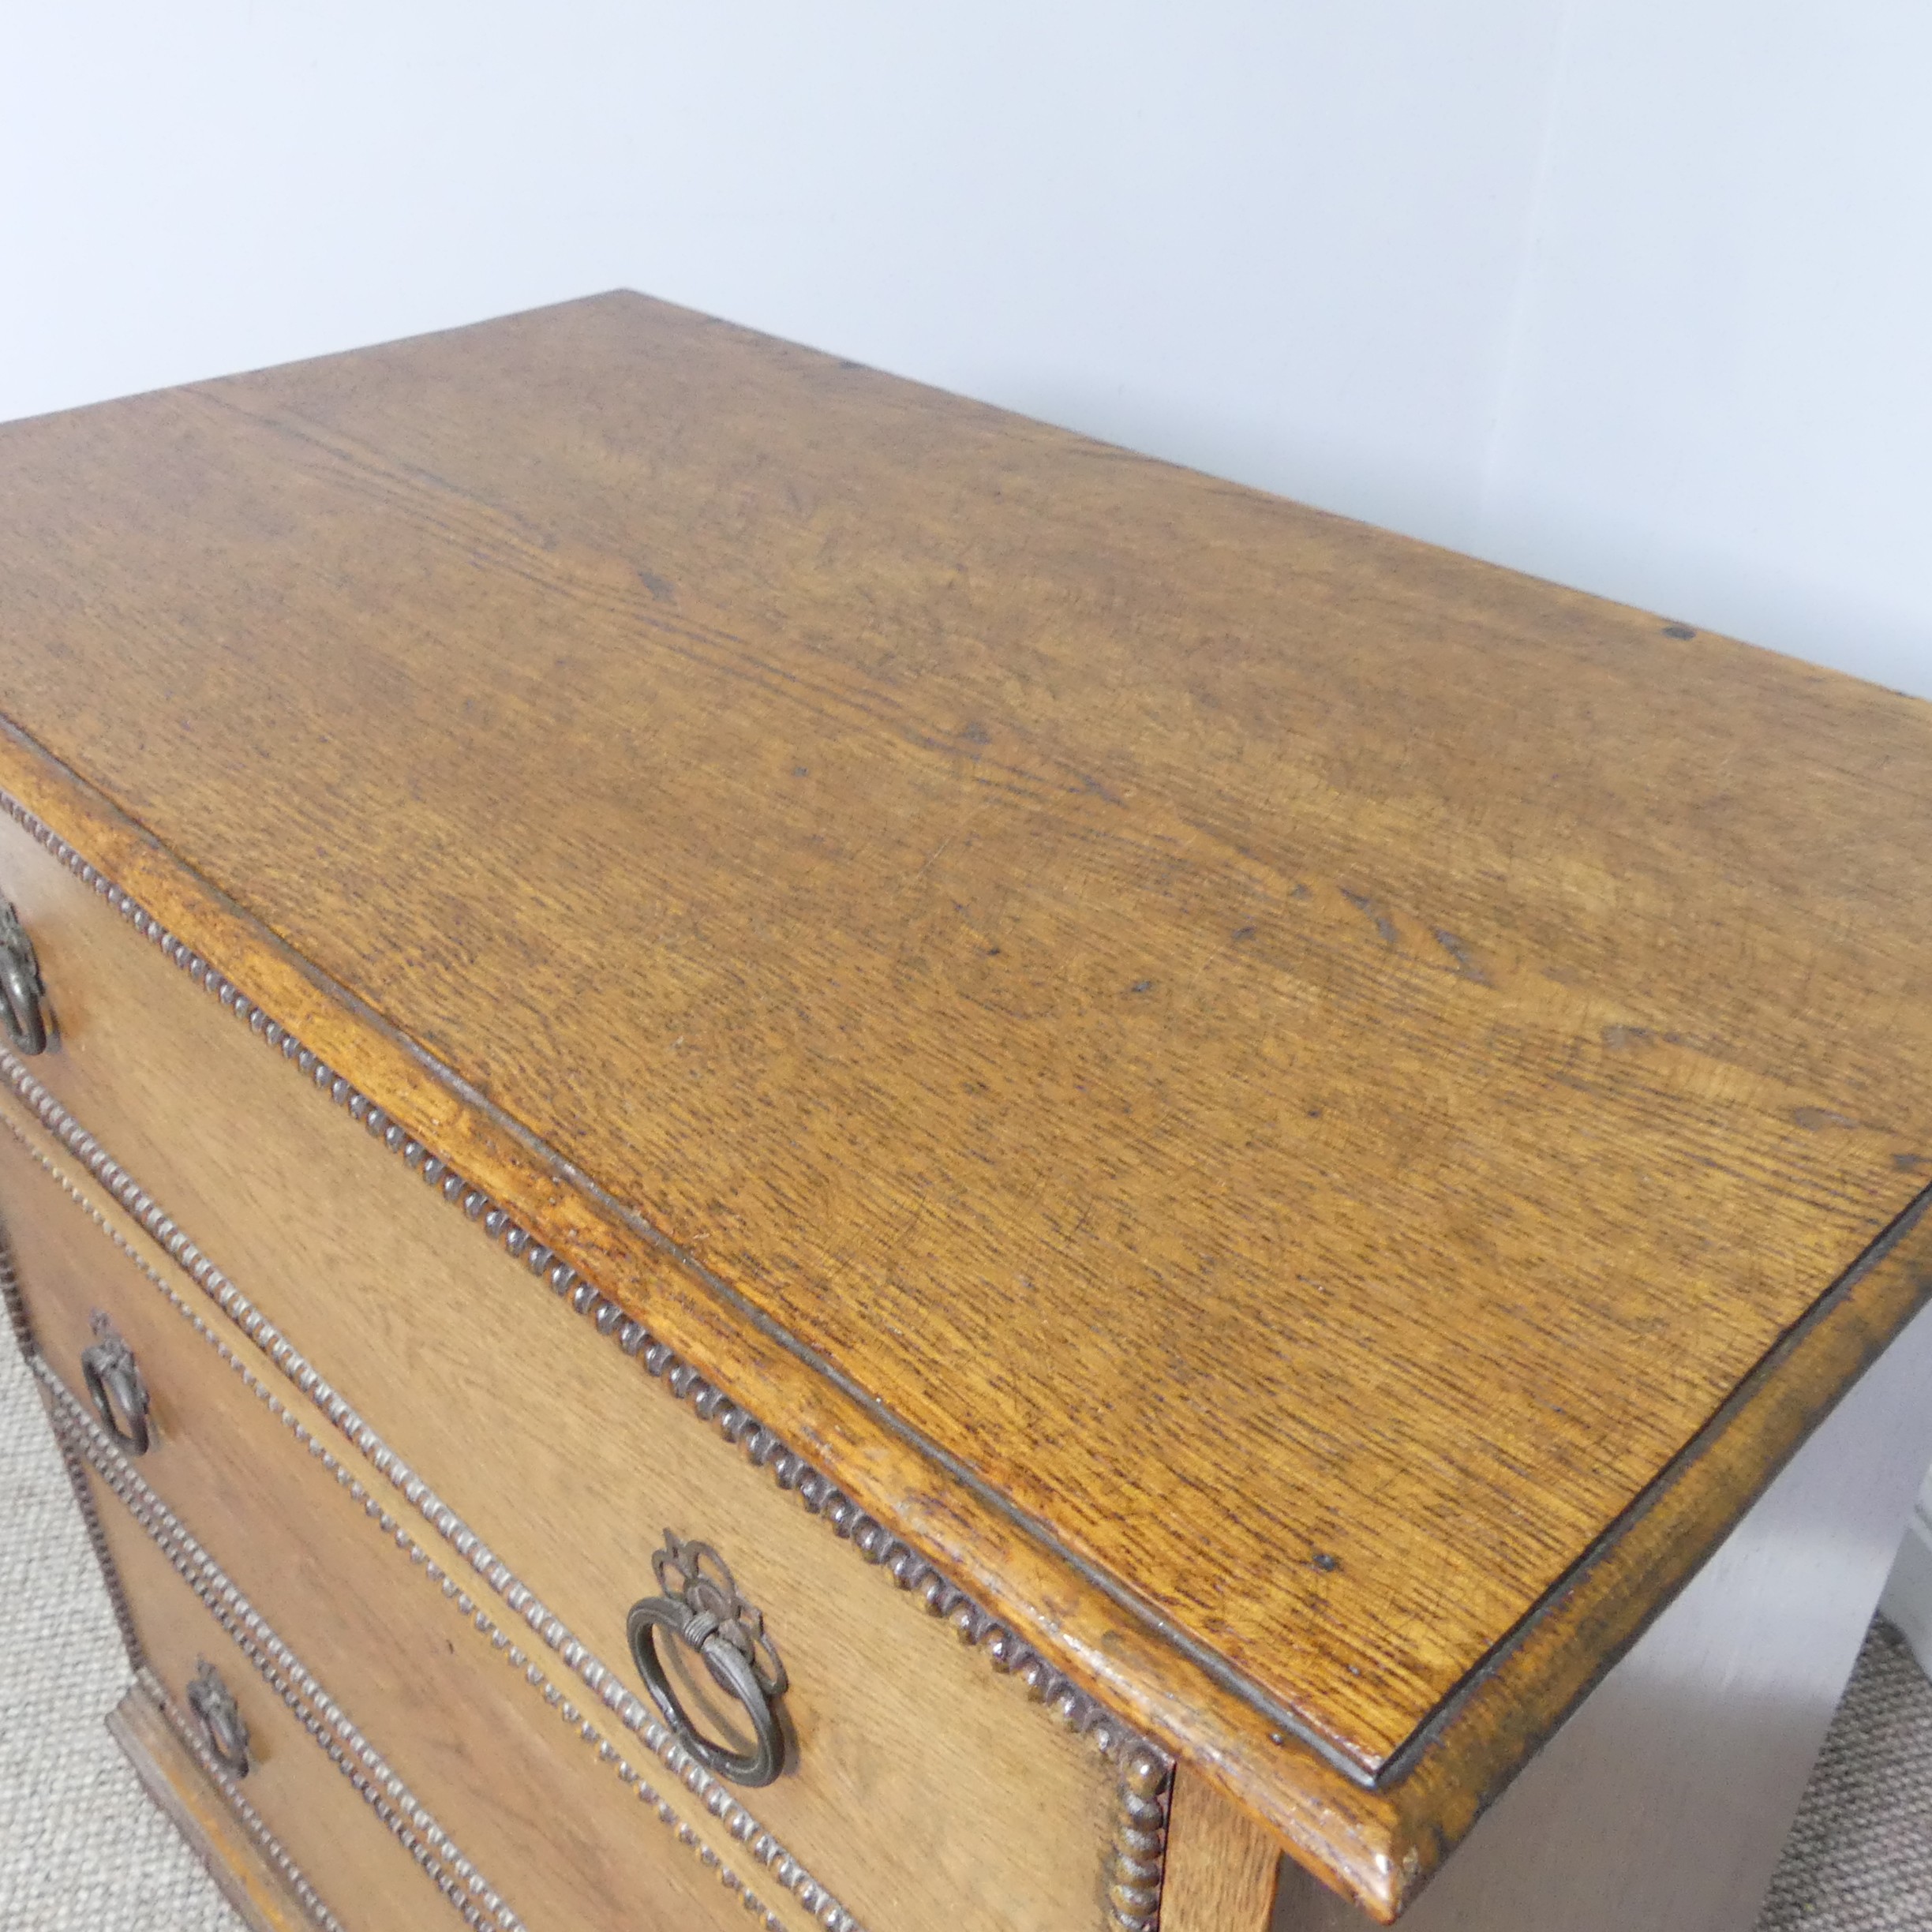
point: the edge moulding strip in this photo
(1134, 1860)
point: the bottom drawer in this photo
(368, 1880)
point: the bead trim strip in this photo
(432, 1848)
(16, 1303)
(150, 1686)
(1138, 1860)
(716, 1798)
(1004, 1648)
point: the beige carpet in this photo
(81, 1850)
(1859, 1859)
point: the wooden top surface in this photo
(1308, 1066)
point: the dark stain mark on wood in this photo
(1383, 924)
(1679, 630)
(1814, 1118)
(656, 585)
(1616, 1038)
(1464, 959)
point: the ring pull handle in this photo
(22, 991)
(702, 1605)
(211, 1701)
(115, 1387)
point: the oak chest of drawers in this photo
(779, 1153)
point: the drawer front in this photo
(573, 1834)
(366, 1878)
(921, 1786)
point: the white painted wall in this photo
(1631, 293)
(1719, 398)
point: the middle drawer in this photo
(446, 1693)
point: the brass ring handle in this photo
(734, 1674)
(115, 1387)
(20, 988)
(701, 1606)
(211, 1701)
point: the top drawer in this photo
(921, 1786)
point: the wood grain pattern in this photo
(924, 1788)
(1188, 1002)
(222, 1845)
(1221, 1864)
